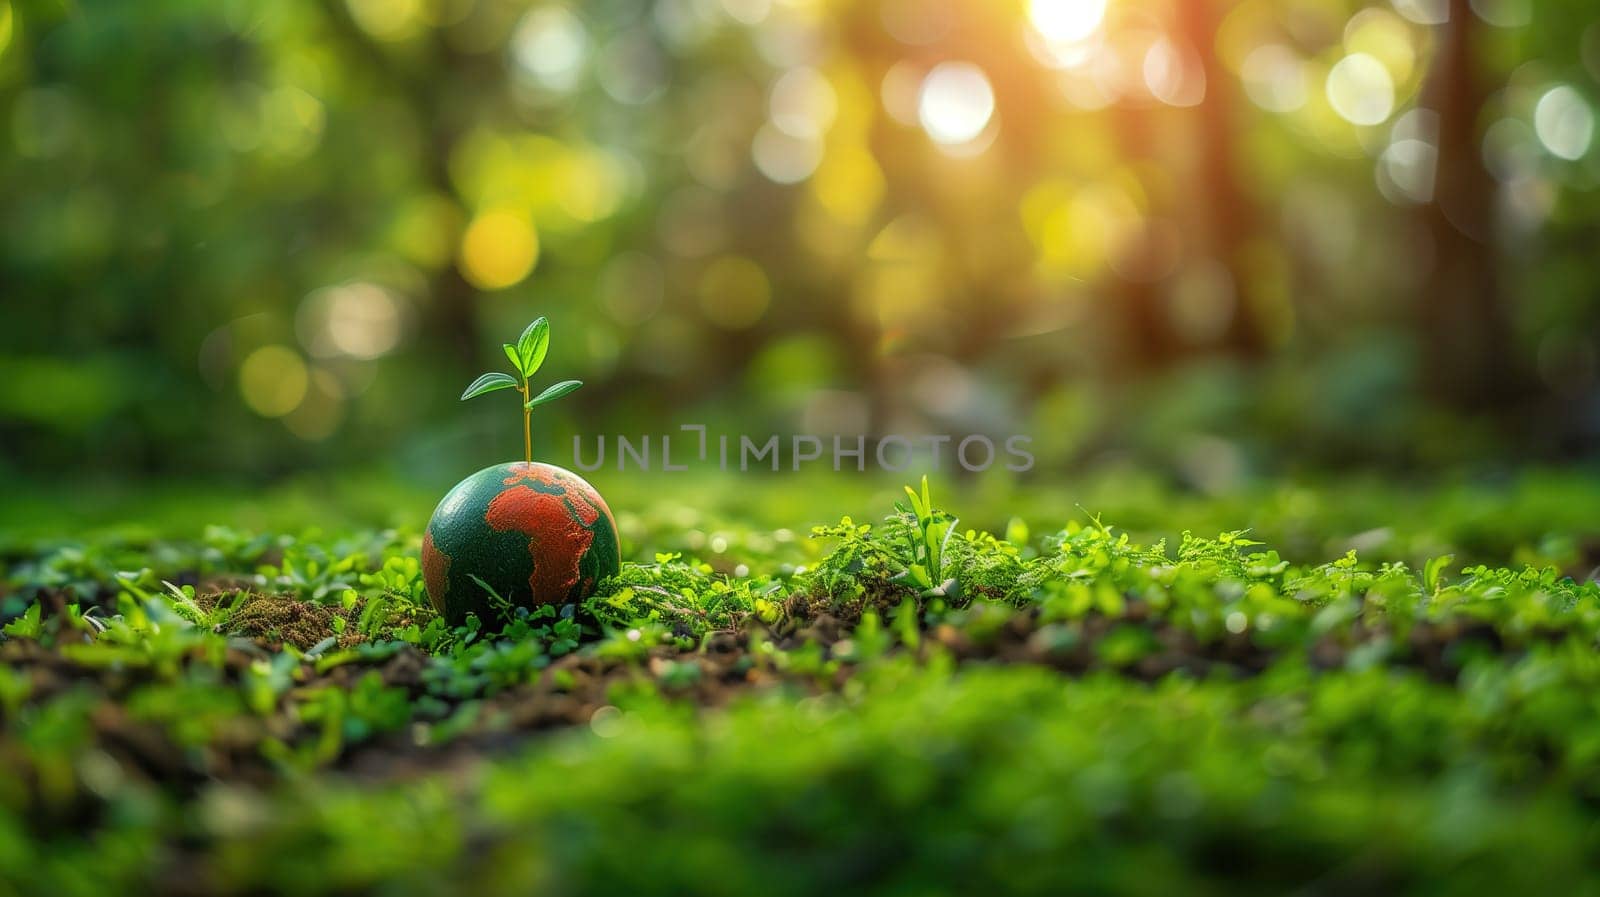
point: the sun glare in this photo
(956, 103)
(1066, 21)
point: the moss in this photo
(277, 619)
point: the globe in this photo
(534, 533)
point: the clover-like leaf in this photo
(515, 357)
(532, 346)
(554, 392)
(488, 383)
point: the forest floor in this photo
(1341, 687)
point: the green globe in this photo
(537, 534)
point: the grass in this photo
(900, 703)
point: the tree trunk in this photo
(1229, 210)
(1462, 326)
(1148, 332)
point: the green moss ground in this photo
(1377, 688)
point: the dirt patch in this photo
(804, 607)
(275, 620)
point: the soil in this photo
(274, 621)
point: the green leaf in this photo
(938, 535)
(27, 625)
(918, 574)
(1017, 532)
(554, 392)
(488, 383)
(1433, 571)
(516, 358)
(532, 346)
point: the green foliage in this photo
(920, 548)
(27, 625)
(685, 597)
(1087, 712)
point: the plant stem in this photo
(527, 430)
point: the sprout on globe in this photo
(521, 534)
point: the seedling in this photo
(927, 538)
(526, 356)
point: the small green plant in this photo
(925, 539)
(526, 357)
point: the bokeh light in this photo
(1406, 170)
(901, 85)
(1275, 78)
(1080, 229)
(1361, 90)
(320, 412)
(956, 103)
(1058, 55)
(354, 320)
(734, 292)
(1504, 13)
(1564, 122)
(632, 69)
(803, 103)
(849, 185)
(1066, 21)
(783, 157)
(1424, 12)
(1510, 149)
(273, 380)
(1385, 37)
(498, 250)
(388, 20)
(425, 230)
(589, 185)
(747, 12)
(550, 46)
(686, 184)
(1174, 73)
(292, 122)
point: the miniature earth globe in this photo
(535, 533)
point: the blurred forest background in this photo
(1218, 237)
